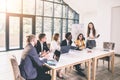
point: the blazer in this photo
(38, 46)
(80, 44)
(64, 43)
(29, 62)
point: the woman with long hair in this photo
(91, 36)
(55, 44)
(80, 42)
(55, 48)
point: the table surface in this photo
(75, 56)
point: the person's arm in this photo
(61, 44)
(52, 46)
(70, 42)
(83, 44)
(76, 43)
(35, 57)
(45, 47)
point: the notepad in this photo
(52, 62)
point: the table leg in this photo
(94, 64)
(89, 70)
(53, 74)
(112, 63)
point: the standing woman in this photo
(91, 35)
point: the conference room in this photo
(59, 40)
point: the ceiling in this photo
(83, 5)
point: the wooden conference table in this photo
(76, 57)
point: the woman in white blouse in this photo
(91, 36)
(55, 44)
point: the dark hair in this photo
(56, 36)
(93, 29)
(67, 35)
(83, 38)
(41, 36)
(30, 37)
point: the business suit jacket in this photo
(38, 47)
(29, 62)
(64, 43)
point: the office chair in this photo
(108, 46)
(15, 68)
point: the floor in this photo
(102, 72)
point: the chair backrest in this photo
(109, 45)
(16, 71)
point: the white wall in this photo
(104, 17)
(115, 28)
(97, 11)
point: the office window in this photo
(70, 22)
(38, 26)
(49, 0)
(48, 9)
(64, 29)
(39, 7)
(76, 16)
(71, 14)
(33, 17)
(2, 31)
(28, 6)
(14, 6)
(64, 11)
(57, 25)
(27, 29)
(76, 21)
(58, 1)
(14, 32)
(58, 10)
(48, 28)
(2, 5)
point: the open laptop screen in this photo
(64, 49)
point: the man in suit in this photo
(30, 66)
(68, 40)
(41, 45)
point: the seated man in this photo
(41, 45)
(68, 40)
(30, 66)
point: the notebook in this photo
(52, 62)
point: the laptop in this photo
(64, 49)
(55, 59)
